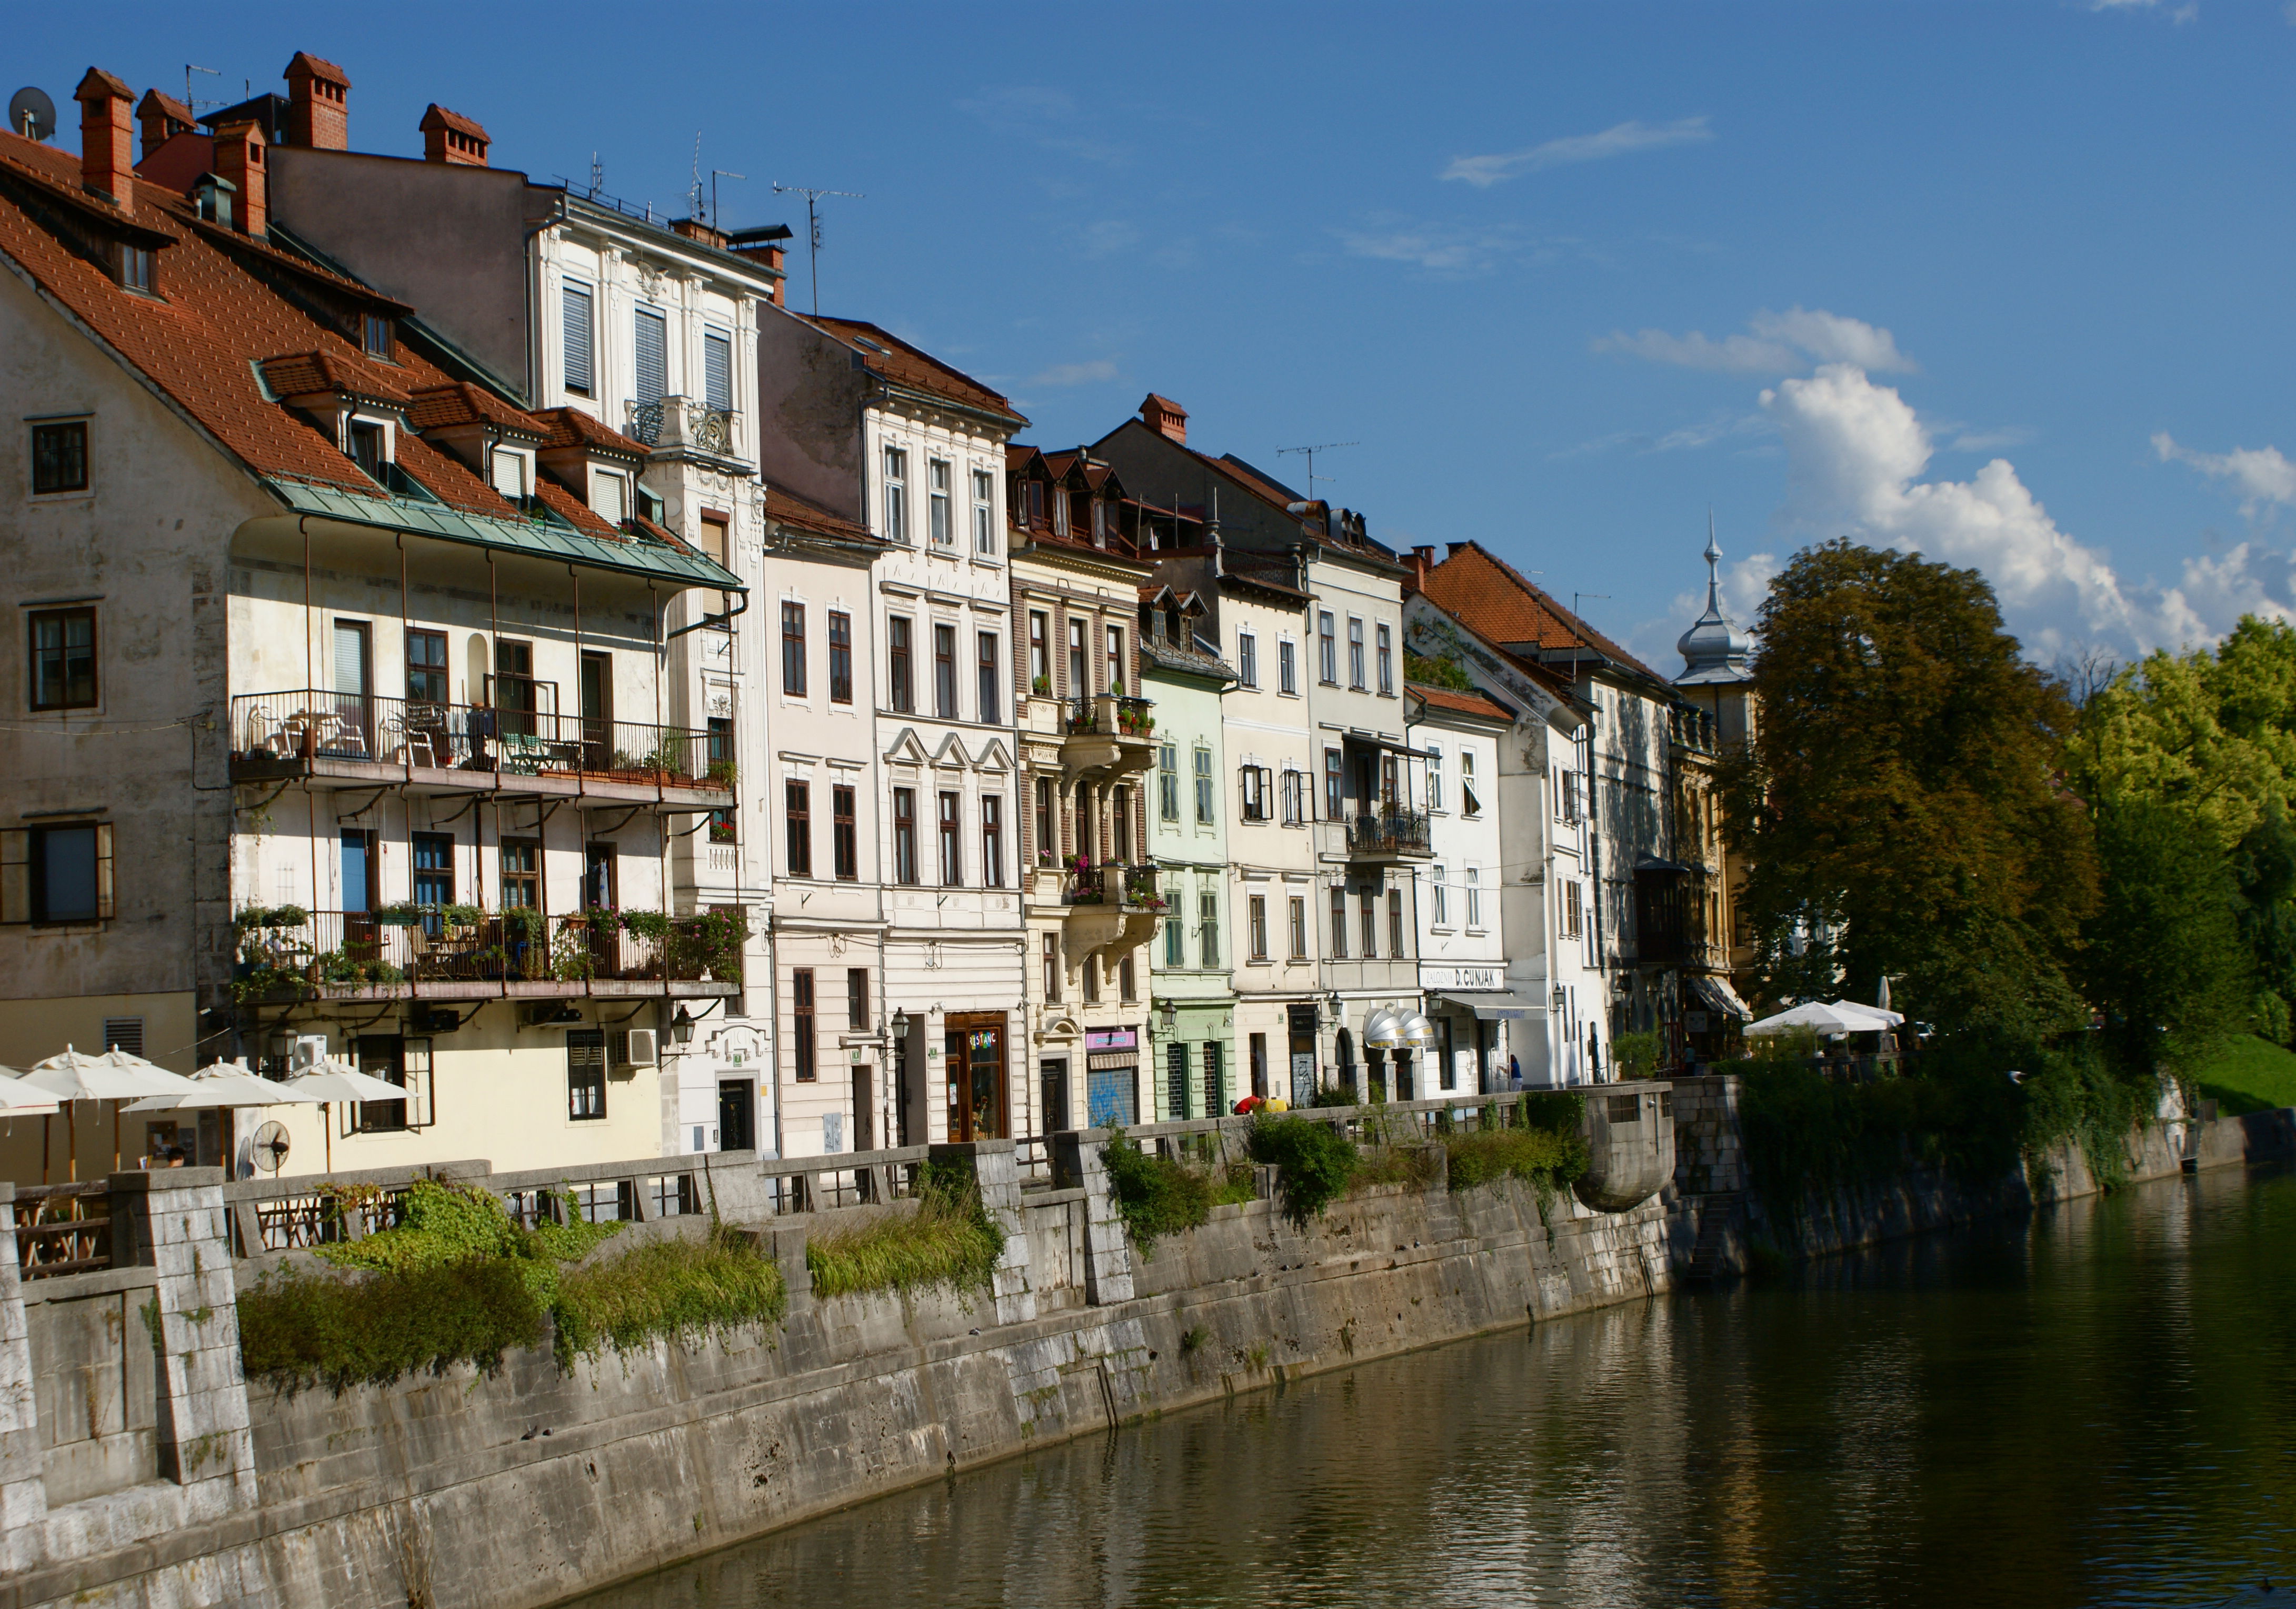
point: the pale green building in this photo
(1191, 1008)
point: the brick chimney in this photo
(318, 103)
(238, 149)
(1162, 413)
(1421, 558)
(107, 144)
(163, 117)
(451, 138)
(695, 229)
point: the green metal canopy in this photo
(558, 542)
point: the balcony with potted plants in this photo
(445, 952)
(1104, 905)
(1107, 736)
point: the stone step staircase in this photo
(1714, 1215)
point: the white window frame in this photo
(1474, 883)
(894, 478)
(1247, 658)
(941, 518)
(1442, 901)
(984, 513)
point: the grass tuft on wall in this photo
(948, 1241)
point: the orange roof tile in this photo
(896, 359)
(1462, 703)
(459, 402)
(454, 120)
(786, 508)
(572, 427)
(318, 67)
(301, 373)
(1497, 601)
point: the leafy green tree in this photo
(1437, 671)
(2164, 959)
(1902, 782)
(2265, 864)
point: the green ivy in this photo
(1315, 1161)
(1157, 1195)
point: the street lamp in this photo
(900, 1024)
(681, 1026)
(1171, 1012)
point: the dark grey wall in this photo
(1155, 469)
(450, 239)
(809, 399)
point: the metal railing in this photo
(1133, 887)
(62, 1229)
(311, 724)
(462, 944)
(1387, 831)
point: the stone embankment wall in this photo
(535, 1485)
(1711, 1204)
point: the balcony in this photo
(359, 740)
(1102, 907)
(1375, 833)
(677, 421)
(1106, 738)
(459, 952)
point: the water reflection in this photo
(2089, 1408)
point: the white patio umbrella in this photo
(336, 1082)
(19, 1100)
(1883, 1017)
(73, 1077)
(1814, 1014)
(226, 1084)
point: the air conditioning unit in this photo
(638, 1051)
(305, 1055)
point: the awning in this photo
(1719, 995)
(1496, 1004)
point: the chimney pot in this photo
(453, 139)
(1166, 416)
(238, 149)
(318, 103)
(1421, 558)
(163, 117)
(107, 156)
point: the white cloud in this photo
(2189, 12)
(1617, 140)
(1438, 248)
(1076, 373)
(1856, 452)
(1778, 344)
(2262, 473)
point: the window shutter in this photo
(578, 375)
(717, 371)
(415, 1062)
(15, 876)
(106, 908)
(653, 357)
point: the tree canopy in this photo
(1900, 802)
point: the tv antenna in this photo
(1576, 596)
(813, 228)
(1310, 452)
(597, 175)
(189, 69)
(717, 218)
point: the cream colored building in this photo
(363, 720)
(873, 430)
(1086, 738)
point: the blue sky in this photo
(2005, 283)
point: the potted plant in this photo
(1042, 686)
(723, 772)
(461, 916)
(404, 913)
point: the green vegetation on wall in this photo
(948, 1240)
(1158, 1195)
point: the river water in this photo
(2095, 1405)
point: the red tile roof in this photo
(896, 359)
(104, 83)
(786, 508)
(1498, 603)
(178, 163)
(572, 427)
(1461, 703)
(302, 374)
(216, 318)
(459, 402)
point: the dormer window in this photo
(508, 473)
(212, 199)
(374, 332)
(370, 446)
(133, 265)
(610, 496)
(1099, 522)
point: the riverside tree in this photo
(1902, 793)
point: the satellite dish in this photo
(270, 1146)
(31, 113)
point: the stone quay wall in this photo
(535, 1485)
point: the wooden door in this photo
(974, 1069)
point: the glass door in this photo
(973, 1052)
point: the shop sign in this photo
(1462, 980)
